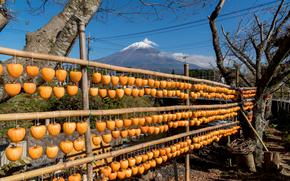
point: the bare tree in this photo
(263, 51)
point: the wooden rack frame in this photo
(61, 59)
(84, 113)
(70, 164)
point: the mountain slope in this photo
(145, 55)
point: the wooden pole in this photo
(85, 96)
(61, 59)
(83, 113)
(253, 129)
(187, 161)
(81, 161)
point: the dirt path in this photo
(275, 143)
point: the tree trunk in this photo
(3, 16)
(56, 37)
(260, 125)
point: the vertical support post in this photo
(187, 161)
(85, 97)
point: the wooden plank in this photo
(83, 113)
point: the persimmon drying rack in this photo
(58, 114)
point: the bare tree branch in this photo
(216, 43)
(273, 24)
(239, 54)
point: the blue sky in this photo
(195, 40)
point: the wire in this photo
(188, 23)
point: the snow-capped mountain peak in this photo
(146, 43)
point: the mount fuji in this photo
(145, 55)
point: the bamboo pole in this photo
(76, 113)
(187, 161)
(69, 164)
(253, 129)
(61, 59)
(85, 96)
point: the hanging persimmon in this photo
(138, 159)
(96, 77)
(141, 93)
(134, 170)
(141, 169)
(12, 89)
(79, 144)
(131, 132)
(14, 69)
(106, 171)
(72, 90)
(61, 75)
(156, 84)
(123, 80)
(100, 126)
(75, 76)
(13, 153)
(32, 71)
(135, 92)
(47, 74)
(66, 146)
(75, 177)
(115, 166)
(106, 79)
(58, 92)
(51, 151)
(138, 82)
(96, 140)
(102, 93)
(113, 176)
(128, 91)
(45, 92)
(29, 88)
(144, 82)
(35, 152)
(111, 125)
(114, 80)
(131, 80)
(53, 129)
(153, 92)
(1, 69)
(121, 174)
(107, 138)
(82, 127)
(93, 91)
(131, 161)
(128, 172)
(151, 82)
(124, 133)
(124, 164)
(119, 123)
(112, 93)
(38, 131)
(116, 134)
(16, 134)
(120, 93)
(127, 122)
(69, 127)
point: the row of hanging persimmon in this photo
(111, 129)
(139, 163)
(158, 88)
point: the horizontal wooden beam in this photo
(84, 113)
(70, 164)
(61, 59)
